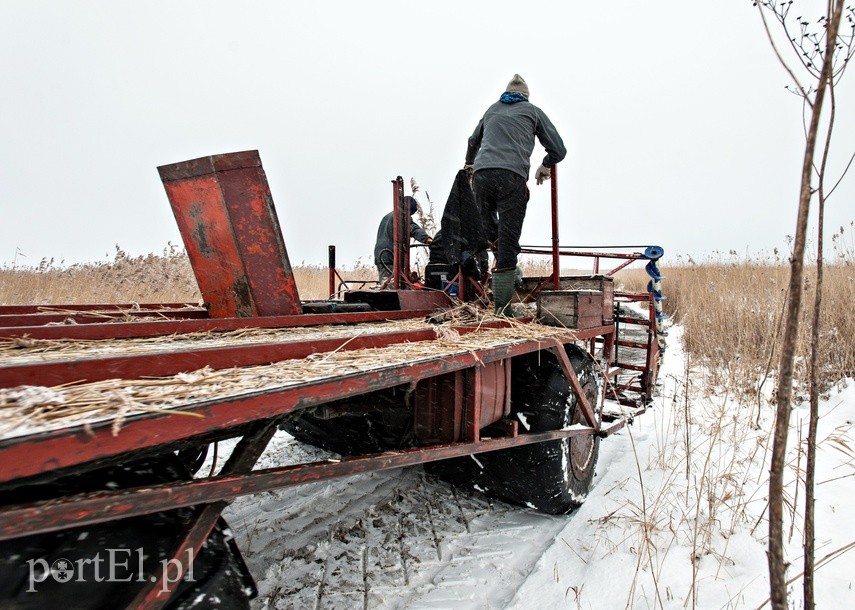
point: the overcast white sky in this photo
(679, 129)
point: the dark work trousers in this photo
(502, 196)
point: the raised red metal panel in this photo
(206, 230)
(225, 213)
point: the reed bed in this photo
(730, 311)
(729, 306)
(164, 278)
(167, 277)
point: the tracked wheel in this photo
(369, 423)
(552, 477)
(105, 565)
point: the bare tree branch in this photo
(776, 559)
(801, 90)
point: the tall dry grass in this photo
(703, 482)
(167, 278)
(731, 308)
(153, 278)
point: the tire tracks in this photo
(384, 540)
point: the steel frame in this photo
(154, 328)
(100, 507)
(237, 478)
(49, 451)
(79, 447)
(254, 416)
(32, 455)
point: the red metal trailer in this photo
(108, 410)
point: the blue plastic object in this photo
(657, 294)
(653, 271)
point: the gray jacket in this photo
(504, 138)
(386, 241)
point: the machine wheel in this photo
(553, 477)
(370, 423)
(98, 566)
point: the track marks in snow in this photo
(382, 541)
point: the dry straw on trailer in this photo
(30, 409)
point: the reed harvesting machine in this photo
(108, 411)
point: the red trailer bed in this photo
(106, 412)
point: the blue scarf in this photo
(512, 97)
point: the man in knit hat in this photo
(386, 241)
(499, 153)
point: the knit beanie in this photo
(517, 85)
(414, 205)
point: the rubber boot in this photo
(518, 277)
(503, 290)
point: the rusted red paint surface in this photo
(93, 317)
(184, 360)
(204, 225)
(33, 454)
(105, 506)
(225, 213)
(160, 328)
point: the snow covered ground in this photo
(675, 520)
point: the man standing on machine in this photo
(499, 153)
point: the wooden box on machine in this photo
(570, 308)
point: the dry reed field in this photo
(152, 278)
(729, 308)
(163, 278)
